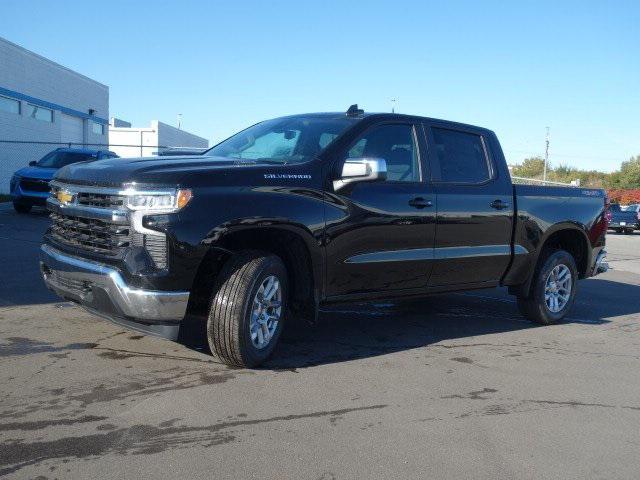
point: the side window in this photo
(461, 156)
(394, 143)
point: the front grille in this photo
(34, 185)
(102, 237)
(89, 234)
(101, 200)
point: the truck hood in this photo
(37, 172)
(173, 171)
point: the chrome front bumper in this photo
(103, 290)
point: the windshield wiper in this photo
(269, 161)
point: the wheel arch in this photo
(567, 236)
(297, 248)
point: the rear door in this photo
(475, 210)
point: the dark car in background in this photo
(623, 221)
(30, 185)
(634, 207)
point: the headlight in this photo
(159, 201)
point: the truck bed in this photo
(540, 207)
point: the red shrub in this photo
(624, 196)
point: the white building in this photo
(42, 101)
(129, 141)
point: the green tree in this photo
(629, 175)
(530, 168)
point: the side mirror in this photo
(361, 170)
(32, 163)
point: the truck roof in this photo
(391, 116)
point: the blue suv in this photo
(30, 185)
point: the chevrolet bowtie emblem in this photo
(64, 197)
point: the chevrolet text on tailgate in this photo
(311, 209)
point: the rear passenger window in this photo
(461, 156)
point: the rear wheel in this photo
(248, 308)
(21, 208)
(553, 289)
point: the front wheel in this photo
(248, 308)
(553, 289)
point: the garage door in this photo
(71, 129)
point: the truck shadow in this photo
(357, 331)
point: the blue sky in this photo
(515, 67)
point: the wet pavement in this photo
(455, 386)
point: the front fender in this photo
(217, 218)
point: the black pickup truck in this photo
(304, 210)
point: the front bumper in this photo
(103, 290)
(29, 198)
(628, 225)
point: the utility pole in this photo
(179, 121)
(546, 157)
(393, 105)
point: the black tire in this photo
(21, 208)
(232, 304)
(628, 231)
(534, 306)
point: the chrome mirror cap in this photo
(364, 169)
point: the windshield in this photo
(60, 159)
(283, 140)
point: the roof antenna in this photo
(354, 111)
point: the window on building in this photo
(98, 128)
(40, 113)
(395, 144)
(461, 156)
(9, 105)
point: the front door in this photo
(475, 210)
(380, 235)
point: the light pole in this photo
(546, 157)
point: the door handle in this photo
(499, 205)
(420, 202)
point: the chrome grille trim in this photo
(101, 200)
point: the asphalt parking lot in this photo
(455, 386)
